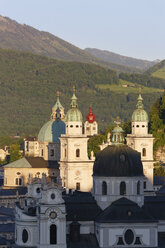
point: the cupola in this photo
(74, 117)
(90, 116)
(140, 118)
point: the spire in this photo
(90, 117)
(117, 134)
(58, 104)
(56, 108)
(139, 104)
(74, 99)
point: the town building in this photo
(115, 214)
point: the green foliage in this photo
(14, 152)
(157, 122)
(28, 85)
(159, 171)
(143, 79)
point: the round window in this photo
(52, 196)
(24, 236)
(38, 190)
(129, 237)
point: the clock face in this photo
(53, 215)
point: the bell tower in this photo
(75, 167)
(90, 126)
(142, 142)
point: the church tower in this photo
(142, 142)
(91, 126)
(55, 107)
(75, 167)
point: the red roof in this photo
(91, 117)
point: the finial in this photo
(58, 93)
(140, 91)
(74, 89)
(118, 122)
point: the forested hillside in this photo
(28, 85)
(157, 70)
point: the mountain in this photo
(119, 59)
(25, 38)
(28, 86)
(157, 70)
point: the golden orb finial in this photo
(140, 91)
(74, 89)
(58, 93)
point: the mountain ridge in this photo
(120, 59)
(22, 37)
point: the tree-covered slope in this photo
(28, 85)
(157, 70)
(119, 59)
(25, 38)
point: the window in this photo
(144, 152)
(24, 236)
(143, 126)
(18, 181)
(137, 125)
(129, 237)
(144, 185)
(122, 188)
(77, 125)
(104, 188)
(77, 186)
(77, 153)
(53, 234)
(52, 152)
(138, 188)
(94, 128)
(71, 125)
(65, 153)
(42, 152)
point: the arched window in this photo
(77, 153)
(104, 188)
(53, 234)
(24, 236)
(65, 153)
(144, 152)
(77, 186)
(122, 188)
(138, 188)
(18, 181)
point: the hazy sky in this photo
(130, 27)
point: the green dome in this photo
(74, 113)
(140, 114)
(51, 131)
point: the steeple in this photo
(74, 99)
(117, 134)
(59, 106)
(139, 115)
(139, 104)
(90, 117)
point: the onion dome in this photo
(139, 115)
(74, 113)
(90, 117)
(52, 130)
(118, 161)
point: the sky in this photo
(134, 28)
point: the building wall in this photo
(108, 234)
(113, 190)
(90, 129)
(10, 175)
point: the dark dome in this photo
(118, 161)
